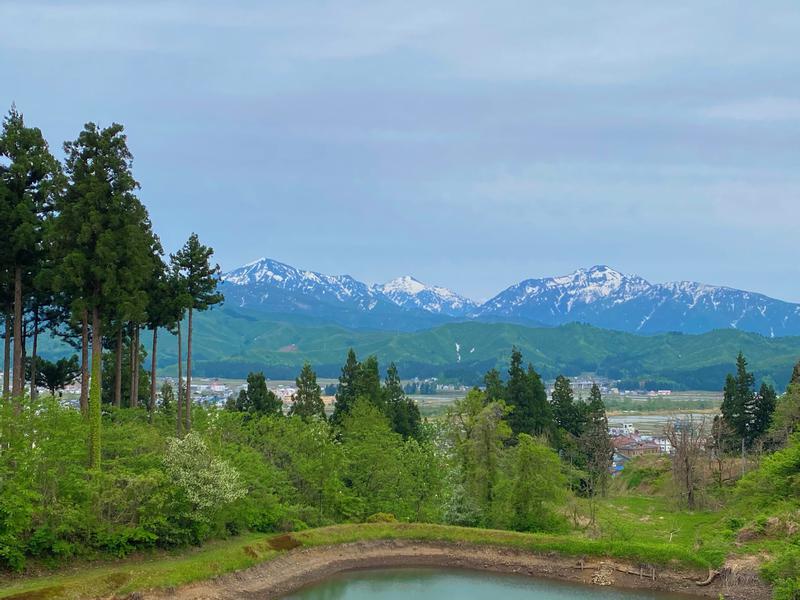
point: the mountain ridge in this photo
(598, 295)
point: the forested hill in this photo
(229, 343)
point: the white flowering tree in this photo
(207, 482)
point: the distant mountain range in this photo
(600, 296)
(231, 343)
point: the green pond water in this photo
(452, 584)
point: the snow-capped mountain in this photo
(266, 275)
(607, 298)
(411, 293)
(599, 295)
(267, 285)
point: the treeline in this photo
(80, 261)
(253, 466)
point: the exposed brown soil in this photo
(304, 566)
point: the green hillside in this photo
(229, 343)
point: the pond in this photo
(435, 584)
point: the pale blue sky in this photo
(471, 144)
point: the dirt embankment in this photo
(303, 566)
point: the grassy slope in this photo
(229, 343)
(632, 528)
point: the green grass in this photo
(623, 535)
(159, 570)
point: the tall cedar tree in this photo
(307, 401)
(346, 392)
(402, 411)
(28, 185)
(102, 232)
(193, 261)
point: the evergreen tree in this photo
(257, 399)
(763, 409)
(565, 411)
(56, 375)
(527, 399)
(29, 183)
(201, 278)
(795, 379)
(596, 444)
(495, 390)
(307, 401)
(402, 411)
(100, 234)
(167, 406)
(518, 398)
(747, 414)
(368, 383)
(346, 392)
(542, 415)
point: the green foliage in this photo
(778, 477)
(402, 411)
(786, 417)
(531, 487)
(199, 276)
(526, 398)
(55, 375)
(746, 413)
(347, 390)
(361, 380)
(206, 482)
(595, 444)
(307, 401)
(257, 399)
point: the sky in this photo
(469, 144)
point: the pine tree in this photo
(307, 401)
(201, 278)
(346, 392)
